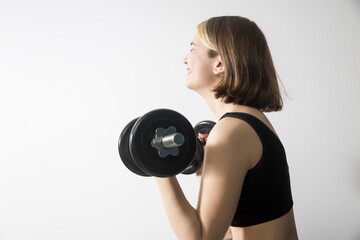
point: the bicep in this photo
(222, 178)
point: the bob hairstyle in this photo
(250, 77)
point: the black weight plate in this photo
(147, 158)
(124, 149)
(204, 127)
(197, 160)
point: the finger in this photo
(200, 135)
(203, 137)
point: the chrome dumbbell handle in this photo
(167, 141)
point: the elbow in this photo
(188, 229)
(197, 233)
(194, 230)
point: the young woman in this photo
(245, 181)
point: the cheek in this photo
(190, 59)
(199, 77)
(205, 70)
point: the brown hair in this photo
(250, 77)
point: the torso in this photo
(282, 228)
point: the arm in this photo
(228, 235)
(203, 137)
(225, 166)
(182, 216)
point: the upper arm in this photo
(226, 162)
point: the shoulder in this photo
(237, 140)
(230, 128)
(233, 132)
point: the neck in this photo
(219, 108)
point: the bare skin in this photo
(232, 148)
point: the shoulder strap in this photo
(263, 131)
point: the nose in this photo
(185, 61)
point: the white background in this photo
(74, 73)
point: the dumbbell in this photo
(162, 143)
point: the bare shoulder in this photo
(228, 129)
(236, 137)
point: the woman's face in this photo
(200, 67)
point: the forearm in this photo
(182, 216)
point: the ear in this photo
(218, 66)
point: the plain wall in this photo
(74, 73)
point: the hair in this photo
(249, 78)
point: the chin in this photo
(193, 86)
(188, 84)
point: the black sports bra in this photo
(266, 191)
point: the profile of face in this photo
(203, 72)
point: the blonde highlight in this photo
(204, 36)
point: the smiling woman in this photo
(73, 74)
(245, 180)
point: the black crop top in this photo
(266, 192)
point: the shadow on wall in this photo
(357, 5)
(354, 175)
(357, 179)
(356, 237)
(353, 170)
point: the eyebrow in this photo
(192, 44)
